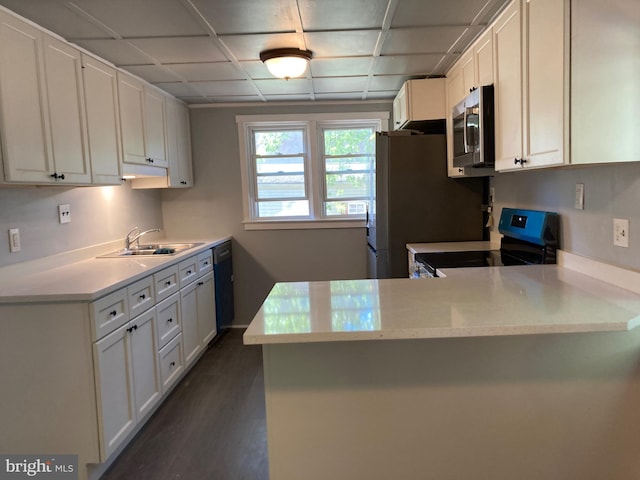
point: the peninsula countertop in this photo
(469, 302)
(73, 278)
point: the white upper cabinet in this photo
(155, 125)
(43, 126)
(103, 121)
(131, 102)
(26, 147)
(419, 100)
(532, 88)
(605, 68)
(179, 143)
(483, 59)
(65, 94)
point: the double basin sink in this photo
(162, 249)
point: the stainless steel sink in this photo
(163, 249)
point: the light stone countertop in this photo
(85, 279)
(469, 302)
(452, 247)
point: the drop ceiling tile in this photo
(228, 87)
(57, 17)
(196, 72)
(335, 67)
(180, 49)
(248, 47)
(143, 18)
(407, 64)
(153, 73)
(341, 43)
(339, 84)
(287, 98)
(235, 98)
(247, 16)
(279, 86)
(118, 52)
(410, 13)
(193, 100)
(421, 40)
(387, 82)
(467, 38)
(255, 69)
(339, 96)
(341, 14)
(179, 89)
(382, 95)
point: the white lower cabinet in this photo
(171, 358)
(198, 312)
(127, 378)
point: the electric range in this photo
(530, 237)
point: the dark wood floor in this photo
(211, 427)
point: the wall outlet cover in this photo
(621, 232)
(14, 240)
(579, 201)
(64, 213)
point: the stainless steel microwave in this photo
(473, 129)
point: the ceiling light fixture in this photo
(286, 62)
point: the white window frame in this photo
(314, 166)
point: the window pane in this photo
(283, 142)
(293, 208)
(345, 164)
(281, 186)
(350, 207)
(348, 185)
(280, 165)
(346, 141)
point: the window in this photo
(313, 168)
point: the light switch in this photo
(14, 240)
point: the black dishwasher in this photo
(223, 275)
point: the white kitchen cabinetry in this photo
(103, 121)
(419, 100)
(43, 126)
(131, 102)
(605, 69)
(155, 134)
(180, 174)
(474, 69)
(532, 85)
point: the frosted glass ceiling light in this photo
(286, 62)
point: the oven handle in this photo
(464, 131)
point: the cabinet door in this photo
(206, 309)
(545, 69)
(155, 117)
(455, 87)
(483, 59)
(144, 359)
(189, 318)
(103, 121)
(114, 381)
(65, 93)
(468, 72)
(400, 108)
(185, 168)
(604, 79)
(131, 96)
(25, 121)
(508, 88)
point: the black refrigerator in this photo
(416, 202)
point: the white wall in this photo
(611, 191)
(214, 208)
(98, 215)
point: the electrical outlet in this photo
(64, 213)
(14, 240)
(621, 232)
(492, 195)
(579, 202)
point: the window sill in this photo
(302, 224)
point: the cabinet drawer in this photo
(167, 282)
(108, 313)
(168, 319)
(188, 270)
(171, 362)
(141, 296)
(205, 262)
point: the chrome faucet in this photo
(135, 231)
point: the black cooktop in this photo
(481, 258)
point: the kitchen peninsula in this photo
(520, 372)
